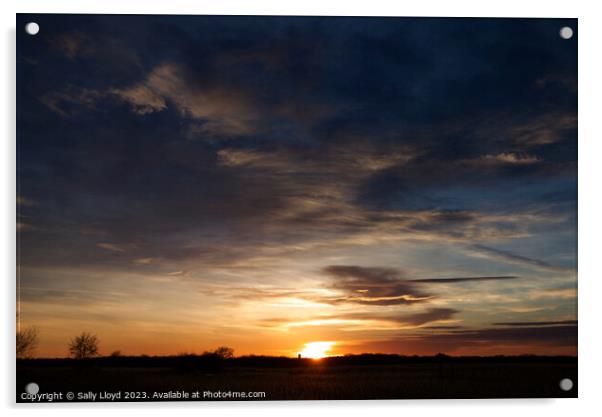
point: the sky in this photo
(394, 185)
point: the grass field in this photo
(290, 379)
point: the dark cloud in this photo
(388, 286)
(443, 327)
(530, 339)
(462, 279)
(559, 335)
(536, 323)
(514, 258)
(373, 286)
(429, 316)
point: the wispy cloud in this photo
(111, 247)
(485, 341)
(511, 158)
(369, 320)
(430, 315)
(71, 100)
(536, 323)
(506, 256)
(24, 201)
(463, 279)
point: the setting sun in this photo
(316, 350)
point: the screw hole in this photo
(566, 384)
(566, 32)
(32, 28)
(32, 388)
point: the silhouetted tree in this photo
(84, 346)
(27, 342)
(115, 354)
(224, 352)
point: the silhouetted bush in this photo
(27, 342)
(224, 352)
(84, 346)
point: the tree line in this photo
(83, 346)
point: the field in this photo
(365, 377)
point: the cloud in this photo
(372, 286)
(414, 320)
(368, 320)
(506, 256)
(23, 226)
(141, 261)
(558, 335)
(443, 327)
(71, 100)
(463, 279)
(112, 57)
(219, 110)
(72, 44)
(348, 284)
(111, 247)
(429, 316)
(142, 99)
(25, 202)
(559, 293)
(213, 110)
(511, 158)
(543, 130)
(551, 340)
(388, 286)
(536, 323)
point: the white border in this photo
(590, 203)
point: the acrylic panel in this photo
(295, 208)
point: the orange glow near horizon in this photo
(316, 350)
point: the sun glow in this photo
(316, 350)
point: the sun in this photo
(316, 350)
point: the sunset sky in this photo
(386, 185)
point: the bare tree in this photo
(224, 352)
(84, 346)
(27, 342)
